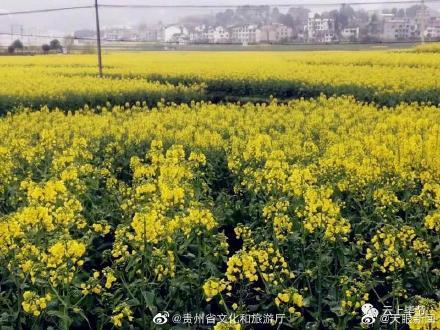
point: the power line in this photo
(47, 10)
(45, 36)
(316, 4)
(146, 6)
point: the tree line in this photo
(18, 46)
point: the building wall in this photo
(400, 29)
(275, 33)
(320, 29)
(171, 31)
(245, 34)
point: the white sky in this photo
(69, 21)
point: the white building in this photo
(432, 32)
(174, 33)
(423, 16)
(217, 34)
(350, 34)
(152, 34)
(245, 34)
(275, 33)
(320, 29)
(432, 28)
(123, 33)
(402, 28)
(199, 34)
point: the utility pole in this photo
(98, 38)
(422, 23)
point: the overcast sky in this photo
(69, 21)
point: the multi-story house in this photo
(432, 32)
(401, 28)
(175, 33)
(350, 34)
(121, 33)
(217, 34)
(274, 33)
(320, 29)
(245, 34)
(198, 34)
(153, 33)
(432, 28)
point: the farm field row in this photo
(383, 77)
(310, 208)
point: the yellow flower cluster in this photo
(354, 295)
(276, 212)
(245, 233)
(426, 315)
(289, 299)
(164, 195)
(120, 250)
(35, 304)
(94, 284)
(165, 265)
(241, 266)
(109, 277)
(320, 212)
(120, 313)
(101, 228)
(432, 221)
(386, 202)
(213, 287)
(229, 325)
(62, 259)
(392, 249)
(260, 261)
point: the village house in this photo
(175, 33)
(274, 33)
(121, 34)
(153, 33)
(350, 34)
(432, 32)
(399, 28)
(245, 34)
(432, 28)
(320, 29)
(217, 34)
(198, 34)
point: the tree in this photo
(398, 12)
(372, 30)
(299, 16)
(286, 20)
(46, 48)
(275, 15)
(55, 45)
(412, 11)
(253, 14)
(225, 18)
(17, 44)
(11, 49)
